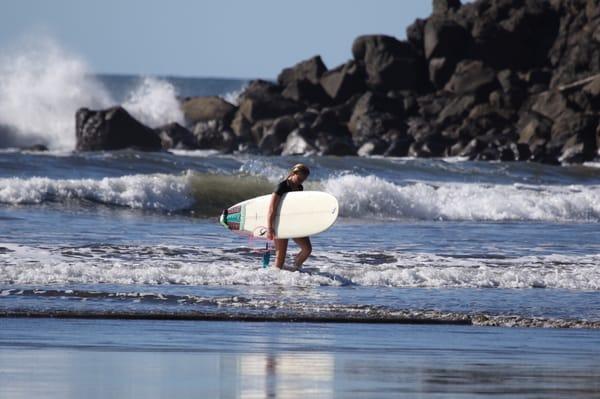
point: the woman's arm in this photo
(271, 216)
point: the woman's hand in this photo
(270, 233)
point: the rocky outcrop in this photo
(510, 80)
(204, 109)
(113, 129)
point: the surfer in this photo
(293, 182)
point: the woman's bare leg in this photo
(281, 250)
(305, 250)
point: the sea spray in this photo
(154, 103)
(42, 85)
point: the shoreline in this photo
(432, 318)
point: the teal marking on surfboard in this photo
(235, 218)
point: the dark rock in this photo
(420, 129)
(259, 108)
(472, 149)
(204, 109)
(373, 147)
(445, 38)
(344, 81)
(241, 126)
(373, 116)
(309, 71)
(514, 34)
(176, 136)
(113, 129)
(534, 131)
(389, 63)
(299, 142)
(592, 91)
(440, 71)
(305, 119)
(551, 104)
(472, 77)
(302, 81)
(456, 110)
(283, 126)
(213, 135)
(434, 146)
(415, 34)
(537, 77)
(260, 129)
(306, 92)
(575, 53)
(573, 136)
(335, 145)
(509, 80)
(36, 148)
(399, 146)
(270, 144)
(444, 6)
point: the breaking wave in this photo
(183, 265)
(359, 196)
(42, 86)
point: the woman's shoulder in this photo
(282, 187)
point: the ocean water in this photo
(134, 234)
(457, 251)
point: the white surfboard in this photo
(299, 214)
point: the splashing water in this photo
(42, 86)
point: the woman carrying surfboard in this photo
(293, 182)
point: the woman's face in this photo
(298, 178)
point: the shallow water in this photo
(100, 358)
(440, 240)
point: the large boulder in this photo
(373, 116)
(299, 142)
(175, 136)
(204, 109)
(456, 110)
(213, 135)
(445, 38)
(514, 33)
(390, 64)
(573, 137)
(415, 35)
(263, 100)
(472, 77)
(344, 81)
(445, 6)
(551, 104)
(112, 129)
(575, 54)
(309, 70)
(302, 81)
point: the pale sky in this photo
(202, 38)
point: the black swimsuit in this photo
(284, 187)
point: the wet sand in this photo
(58, 358)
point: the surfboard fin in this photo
(266, 256)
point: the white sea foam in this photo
(158, 191)
(360, 196)
(20, 264)
(154, 103)
(42, 86)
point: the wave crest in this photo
(362, 196)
